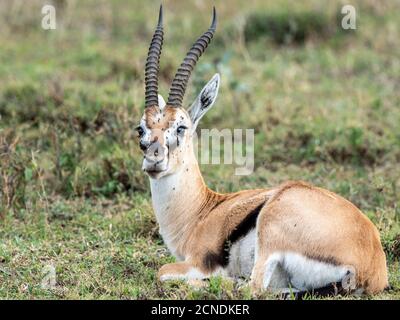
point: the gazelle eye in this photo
(139, 131)
(181, 130)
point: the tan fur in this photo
(295, 216)
(159, 119)
(325, 226)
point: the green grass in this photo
(324, 105)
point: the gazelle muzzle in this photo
(155, 157)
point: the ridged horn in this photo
(178, 86)
(153, 64)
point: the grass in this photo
(324, 105)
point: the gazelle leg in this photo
(257, 275)
(271, 270)
(269, 275)
(180, 270)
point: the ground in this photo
(324, 103)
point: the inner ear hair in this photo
(205, 99)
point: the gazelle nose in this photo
(155, 152)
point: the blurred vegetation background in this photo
(324, 103)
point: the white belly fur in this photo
(283, 268)
(241, 256)
(301, 272)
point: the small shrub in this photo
(13, 174)
(391, 247)
(287, 28)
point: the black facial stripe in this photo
(213, 259)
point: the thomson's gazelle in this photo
(293, 236)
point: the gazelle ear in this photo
(161, 101)
(204, 100)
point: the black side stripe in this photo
(241, 231)
(330, 290)
(246, 225)
(214, 259)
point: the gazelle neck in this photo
(177, 202)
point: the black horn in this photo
(153, 64)
(182, 76)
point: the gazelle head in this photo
(166, 129)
